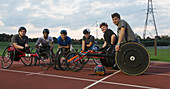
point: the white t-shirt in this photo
(44, 42)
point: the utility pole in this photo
(96, 29)
(150, 12)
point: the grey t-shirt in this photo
(129, 34)
(44, 42)
(89, 39)
(18, 40)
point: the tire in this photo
(61, 61)
(77, 66)
(7, 58)
(45, 60)
(97, 61)
(27, 61)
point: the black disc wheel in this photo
(133, 59)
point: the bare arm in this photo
(18, 46)
(112, 39)
(68, 46)
(90, 44)
(104, 45)
(83, 45)
(121, 35)
(52, 45)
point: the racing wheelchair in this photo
(11, 54)
(44, 58)
(132, 59)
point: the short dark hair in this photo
(116, 15)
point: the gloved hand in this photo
(101, 49)
(26, 48)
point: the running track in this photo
(19, 76)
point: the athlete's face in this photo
(116, 20)
(45, 35)
(87, 35)
(22, 33)
(104, 28)
(63, 36)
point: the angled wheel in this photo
(72, 65)
(133, 59)
(45, 60)
(27, 61)
(61, 61)
(7, 57)
(96, 61)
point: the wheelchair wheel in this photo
(7, 57)
(86, 59)
(72, 65)
(97, 61)
(45, 60)
(27, 61)
(61, 61)
(133, 59)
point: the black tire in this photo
(27, 61)
(86, 60)
(61, 61)
(133, 59)
(45, 60)
(9, 56)
(77, 66)
(97, 61)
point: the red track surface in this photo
(19, 76)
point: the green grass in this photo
(162, 54)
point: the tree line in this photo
(162, 40)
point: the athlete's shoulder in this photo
(68, 37)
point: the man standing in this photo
(124, 31)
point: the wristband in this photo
(118, 44)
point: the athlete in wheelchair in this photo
(45, 47)
(64, 47)
(17, 49)
(89, 44)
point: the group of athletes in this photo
(124, 34)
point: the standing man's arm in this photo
(121, 36)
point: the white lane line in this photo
(101, 80)
(49, 75)
(33, 74)
(157, 74)
(159, 67)
(129, 85)
(73, 78)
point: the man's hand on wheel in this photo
(117, 47)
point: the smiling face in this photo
(104, 28)
(63, 36)
(115, 20)
(22, 33)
